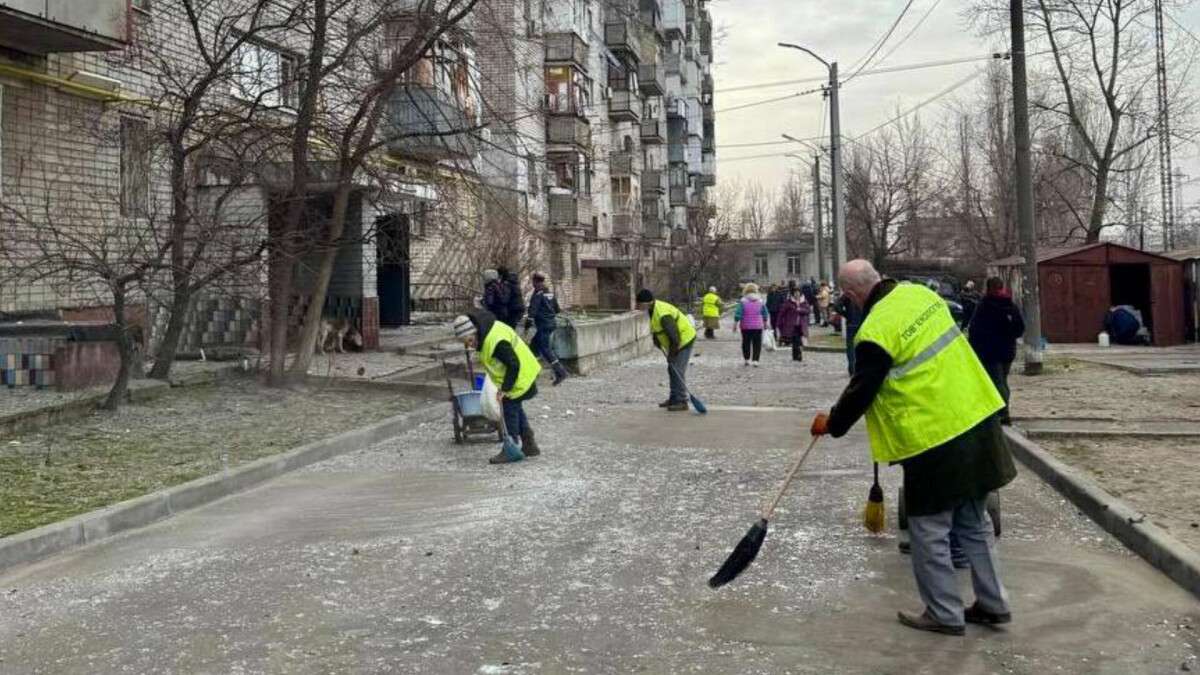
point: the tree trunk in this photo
(181, 303)
(280, 274)
(1099, 206)
(313, 317)
(120, 388)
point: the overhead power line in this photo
(945, 92)
(911, 32)
(771, 100)
(877, 71)
(882, 41)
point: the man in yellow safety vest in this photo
(930, 407)
(711, 312)
(513, 368)
(674, 334)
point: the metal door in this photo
(393, 269)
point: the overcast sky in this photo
(843, 31)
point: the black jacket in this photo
(516, 303)
(496, 300)
(543, 308)
(966, 467)
(994, 329)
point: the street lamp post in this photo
(835, 151)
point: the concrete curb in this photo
(54, 538)
(1152, 543)
(1066, 435)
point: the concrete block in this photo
(125, 515)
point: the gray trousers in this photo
(932, 567)
(678, 374)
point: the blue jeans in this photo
(850, 333)
(515, 421)
(678, 374)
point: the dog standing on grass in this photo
(336, 334)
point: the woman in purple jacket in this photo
(751, 317)
(793, 323)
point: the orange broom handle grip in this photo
(795, 471)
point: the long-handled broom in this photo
(873, 512)
(747, 549)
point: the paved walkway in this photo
(418, 557)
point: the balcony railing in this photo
(570, 212)
(654, 181)
(50, 26)
(624, 106)
(566, 49)
(653, 226)
(676, 153)
(652, 79)
(622, 38)
(679, 196)
(679, 237)
(625, 164)
(624, 224)
(568, 130)
(654, 132)
(673, 63)
(428, 124)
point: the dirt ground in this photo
(72, 468)
(1077, 389)
(1157, 476)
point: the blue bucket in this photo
(479, 382)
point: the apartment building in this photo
(613, 74)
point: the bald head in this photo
(857, 278)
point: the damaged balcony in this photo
(653, 132)
(626, 164)
(624, 106)
(568, 130)
(652, 79)
(51, 26)
(571, 213)
(429, 124)
(621, 37)
(566, 49)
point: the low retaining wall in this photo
(589, 344)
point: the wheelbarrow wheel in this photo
(901, 513)
(993, 510)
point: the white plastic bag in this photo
(768, 341)
(488, 400)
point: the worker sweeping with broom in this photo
(931, 408)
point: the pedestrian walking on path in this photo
(543, 316)
(852, 317)
(711, 312)
(994, 329)
(793, 323)
(774, 301)
(495, 295)
(750, 317)
(512, 367)
(930, 407)
(824, 295)
(675, 335)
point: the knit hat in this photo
(490, 275)
(645, 295)
(462, 327)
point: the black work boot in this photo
(529, 444)
(666, 404)
(977, 614)
(678, 406)
(560, 372)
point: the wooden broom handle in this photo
(795, 471)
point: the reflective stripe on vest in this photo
(665, 310)
(936, 389)
(528, 363)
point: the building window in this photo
(761, 268)
(265, 75)
(135, 168)
(794, 265)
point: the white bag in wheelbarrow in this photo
(487, 399)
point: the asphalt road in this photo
(418, 557)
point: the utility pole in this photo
(1165, 171)
(1178, 228)
(836, 182)
(1029, 273)
(818, 244)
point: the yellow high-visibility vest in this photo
(665, 310)
(712, 306)
(529, 366)
(937, 389)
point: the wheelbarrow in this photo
(466, 408)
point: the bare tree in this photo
(792, 209)
(757, 203)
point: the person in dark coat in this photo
(946, 485)
(993, 332)
(543, 315)
(775, 297)
(495, 295)
(515, 301)
(852, 318)
(810, 295)
(793, 323)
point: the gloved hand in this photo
(820, 424)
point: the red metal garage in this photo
(1079, 285)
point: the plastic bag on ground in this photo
(491, 406)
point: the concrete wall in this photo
(590, 344)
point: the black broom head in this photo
(743, 554)
(876, 494)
